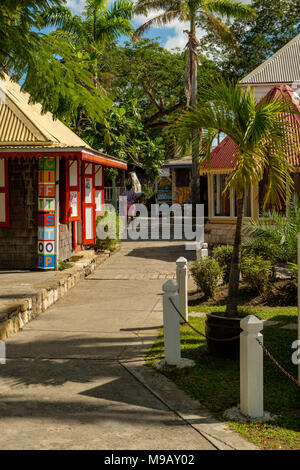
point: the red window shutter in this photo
(4, 193)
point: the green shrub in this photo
(294, 271)
(107, 219)
(223, 255)
(206, 274)
(256, 272)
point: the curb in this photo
(15, 314)
(188, 409)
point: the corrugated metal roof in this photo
(184, 162)
(23, 122)
(282, 67)
(223, 156)
(12, 129)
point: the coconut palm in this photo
(261, 135)
(197, 13)
(90, 32)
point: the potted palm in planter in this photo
(260, 134)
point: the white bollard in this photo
(2, 352)
(182, 281)
(251, 368)
(171, 324)
(204, 250)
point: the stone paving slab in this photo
(86, 405)
(65, 384)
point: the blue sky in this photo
(171, 35)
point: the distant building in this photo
(51, 185)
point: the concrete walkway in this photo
(75, 379)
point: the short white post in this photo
(171, 323)
(204, 250)
(2, 352)
(182, 281)
(251, 367)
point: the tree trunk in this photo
(195, 190)
(234, 278)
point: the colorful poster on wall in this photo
(183, 195)
(46, 213)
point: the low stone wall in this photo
(16, 313)
(219, 234)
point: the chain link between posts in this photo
(287, 374)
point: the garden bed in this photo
(279, 293)
(215, 381)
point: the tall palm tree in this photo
(196, 12)
(98, 26)
(261, 135)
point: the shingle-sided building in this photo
(222, 208)
(277, 76)
(51, 185)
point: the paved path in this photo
(68, 384)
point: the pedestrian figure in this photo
(130, 195)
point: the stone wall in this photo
(219, 234)
(18, 242)
(65, 241)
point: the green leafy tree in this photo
(123, 135)
(275, 24)
(206, 12)
(146, 72)
(49, 69)
(98, 26)
(260, 136)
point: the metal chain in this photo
(199, 332)
(277, 363)
(234, 338)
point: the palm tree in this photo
(97, 26)
(196, 12)
(260, 134)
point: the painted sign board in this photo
(46, 213)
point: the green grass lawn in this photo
(215, 381)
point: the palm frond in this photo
(229, 9)
(159, 20)
(219, 29)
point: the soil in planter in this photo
(280, 293)
(219, 327)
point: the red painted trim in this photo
(84, 176)
(84, 156)
(5, 190)
(100, 188)
(103, 161)
(74, 188)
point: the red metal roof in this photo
(223, 156)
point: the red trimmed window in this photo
(69, 190)
(73, 189)
(88, 203)
(4, 193)
(99, 189)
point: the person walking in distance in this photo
(131, 196)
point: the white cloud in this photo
(76, 6)
(172, 32)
